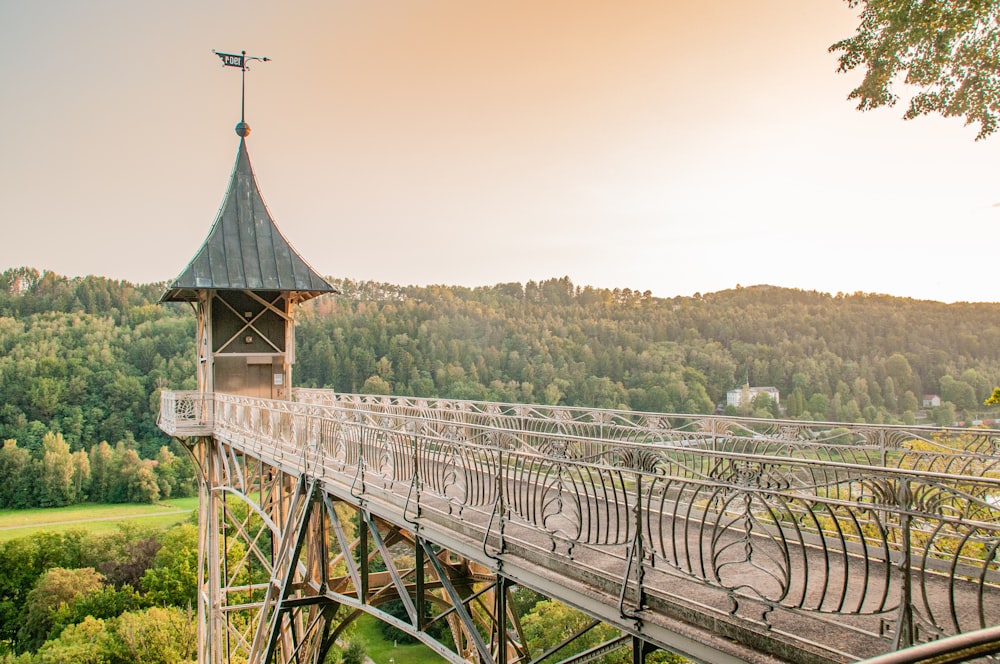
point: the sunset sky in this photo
(676, 147)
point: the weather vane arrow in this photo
(242, 61)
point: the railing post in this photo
(501, 503)
(905, 636)
(640, 551)
(882, 447)
(636, 554)
(417, 475)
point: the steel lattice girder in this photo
(283, 572)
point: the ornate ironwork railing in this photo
(853, 539)
(186, 413)
(947, 449)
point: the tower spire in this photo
(242, 61)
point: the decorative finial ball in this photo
(242, 129)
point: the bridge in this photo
(722, 539)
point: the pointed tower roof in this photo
(244, 249)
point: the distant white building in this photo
(745, 395)
(930, 401)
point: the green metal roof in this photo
(245, 250)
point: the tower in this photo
(244, 283)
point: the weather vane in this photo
(242, 61)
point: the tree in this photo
(908, 402)
(55, 486)
(57, 586)
(376, 385)
(959, 393)
(124, 555)
(944, 415)
(135, 481)
(104, 603)
(355, 653)
(156, 636)
(173, 578)
(22, 562)
(819, 405)
(83, 643)
(551, 622)
(949, 51)
(15, 489)
(993, 399)
(166, 471)
(389, 632)
(81, 475)
(765, 407)
(101, 472)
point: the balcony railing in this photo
(186, 414)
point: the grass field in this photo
(93, 518)
(381, 651)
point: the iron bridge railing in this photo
(849, 539)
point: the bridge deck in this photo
(725, 539)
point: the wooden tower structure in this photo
(244, 283)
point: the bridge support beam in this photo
(262, 561)
(284, 567)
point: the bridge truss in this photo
(722, 539)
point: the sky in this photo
(675, 147)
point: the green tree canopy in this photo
(156, 636)
(83, 643)
(55, 482)
(56, 587)
(551, 622)
(949, 51)
(173, 578)
(15, 490)
(107, 602)
(994, 398)
(152, 636)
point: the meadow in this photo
(382, 651)
(94, 518)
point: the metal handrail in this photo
(958, 648)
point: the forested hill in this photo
(844, 357)
(85, 356)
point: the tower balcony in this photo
(185, 414)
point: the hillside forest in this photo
(82, 361)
